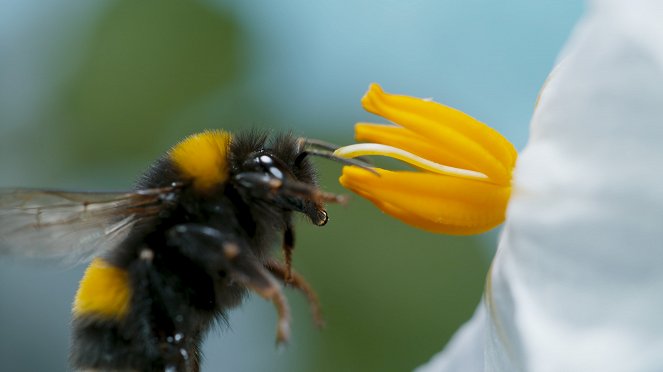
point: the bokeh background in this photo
(91, 92)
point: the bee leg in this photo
(288, 246)
(201, 244)
(298, 282)
(257, 278)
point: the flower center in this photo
(464, 180)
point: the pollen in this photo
(202, 158)
(104, 291)
(463, 182)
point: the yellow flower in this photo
(463, 182)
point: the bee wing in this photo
(72, 227)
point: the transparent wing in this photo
(72, 227)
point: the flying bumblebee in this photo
(172, 256)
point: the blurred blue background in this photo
(92, 92)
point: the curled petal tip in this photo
(374, 92)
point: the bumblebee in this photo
(171, 257)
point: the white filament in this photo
(372, 149)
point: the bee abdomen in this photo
(104, 292)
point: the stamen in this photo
(459, 133)
(364, 149)
(434, 202)
(409, 141)
(463, 182)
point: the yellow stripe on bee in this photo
(202, 158)
(104, 291)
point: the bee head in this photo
(277, 173)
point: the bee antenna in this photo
(312, 143)
(329, 155)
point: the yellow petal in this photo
(434, 202)
(481, 146)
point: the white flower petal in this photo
(464, 353)
(577, 284)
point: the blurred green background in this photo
(92, 92)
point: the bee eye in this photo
(265, 160)
(268, 165)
